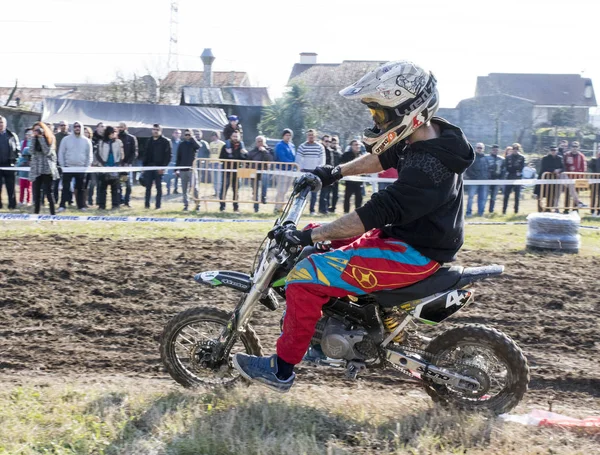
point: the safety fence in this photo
(569, 191)
(242, 181)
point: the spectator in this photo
(24, 183)
(514, 164)
(517, 148)
(202, 154)
(215, 147)
(186, 154)
(574, 161)
(235, 152)
(110, 154)
(552, 163)
(334, 159)
(310, 155)
(75, 151)
(352, 188)
(594, 167)
(563, 147)
(27, 139)
(92, 178)
(496, 167)
(262, 153)
(285, 152)
(233, 125)
(130, 155)
(43, 166)
(158, 153)
(326, 192)
(479, 170)
(171, 175)
(62, 132)
(88, 133)
(9, 154)
(204, 150)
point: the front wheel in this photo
(188, 342)
(487, 355)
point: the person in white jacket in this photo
(75, 151)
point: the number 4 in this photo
(452, 299)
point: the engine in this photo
(338, 342)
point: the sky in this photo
(64, 41)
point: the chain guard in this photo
(463, 368)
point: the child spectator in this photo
(24, 183)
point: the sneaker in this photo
(61, 209)
(83, 209)
(185, 209)
(263, 370)
(313, 213)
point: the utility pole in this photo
(173, 60)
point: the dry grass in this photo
(125, 416)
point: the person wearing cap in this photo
(496, 167)
(233, 125)
(551, 164)
(75, 151)
(594, 166)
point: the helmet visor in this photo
(380, 116)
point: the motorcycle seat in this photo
(445, 279)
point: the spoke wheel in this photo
(188, 346)
(484, 354)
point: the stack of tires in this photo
(554, 231)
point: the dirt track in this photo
(97, 307)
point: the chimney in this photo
(208, 58)
(308, 58)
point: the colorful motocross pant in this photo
(357, 266)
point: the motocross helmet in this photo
(401, 97)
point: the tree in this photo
(563, 117)
(293, 111)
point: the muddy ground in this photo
(95, 307)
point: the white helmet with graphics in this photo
(401, 97)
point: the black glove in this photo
(292, 240)
(328, 174)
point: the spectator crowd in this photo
(56, 154)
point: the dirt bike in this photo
(471, 366)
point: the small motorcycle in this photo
(471, 366)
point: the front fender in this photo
(235, 280)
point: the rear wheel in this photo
(188, 342)
(487, 355)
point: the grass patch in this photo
(126, 419)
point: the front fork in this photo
(245, 308)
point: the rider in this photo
(401, 236)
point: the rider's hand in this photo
(328, 174)
(292, 240)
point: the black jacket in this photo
(228, 131)
(14, 147)
(186, 152)
(515, 162)
(130, 147)
(256, 155)
(158, 152)
(424, 207)
(551, 163)
(594, 165)
(332, 156)
(236, 154)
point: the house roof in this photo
(332, 74)
(32, 98)
(543, 89)
(226, 96)
(178, 79)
